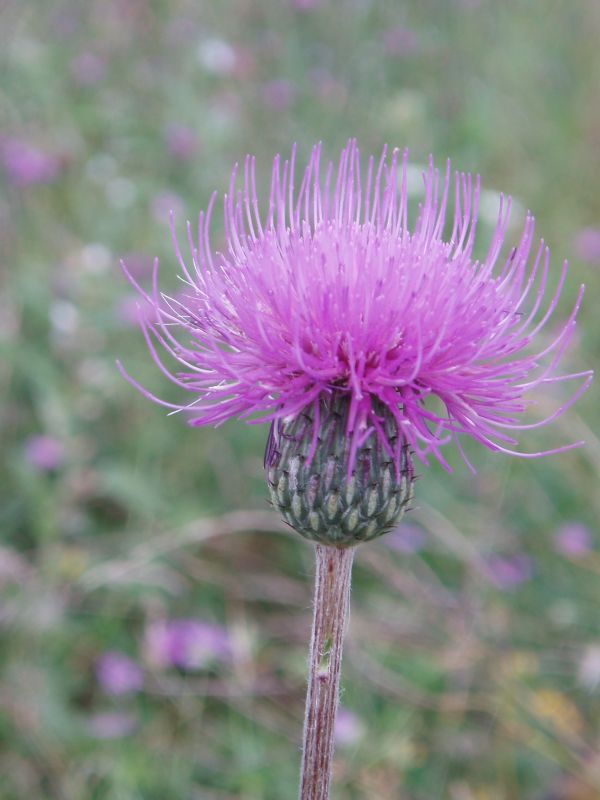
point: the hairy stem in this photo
(332, 600)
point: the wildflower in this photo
(587, 245)
(573, 540)
(189, 644)
(26, 165)
(332, 294)
(118, 674)
(44, 453)
(509, 572)
(348, 727)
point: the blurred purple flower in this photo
(26, 165)
(400, 41)
(88, 68)
(587, 245)
(186, 643)
(118, 674)
(111, 724)
(573, 540)
(182, 142)
(131, 311)
(44, 453)
(348, 728)
(509, 572)
(406, 538)
(278, 94)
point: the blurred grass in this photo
(461, 690)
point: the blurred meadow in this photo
(154, 612)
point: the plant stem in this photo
(331, 604)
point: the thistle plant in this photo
(368, 344)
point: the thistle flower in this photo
(331, 294)
(186, 643)
(44, 453)
(574, 540)
(118, 674)
(26, 165)
(366, 342)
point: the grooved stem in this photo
(331, 605)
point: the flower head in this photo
(26, 165)
(329, 292)
(587, 245)
(186, 643)
(574, 540)
(348, 727)
(118, 674)
(44, 453)
(509, 572)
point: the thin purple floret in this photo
(332, 291)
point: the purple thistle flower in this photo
(587, 245)
(118, 674)
(44, 453)
(26, 165)
(186, 643)
(348, 727)
(332, 293)
(509, 572)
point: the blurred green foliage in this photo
(457, 685)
